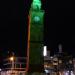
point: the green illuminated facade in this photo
(36, 16)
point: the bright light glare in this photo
(0, 69)
(11, 58)
(46, 71)
(67, 73)
(72, 73)
(45, 51)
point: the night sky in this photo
(13, 27)
(59, 27)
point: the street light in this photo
(12, 61)
(12, 58)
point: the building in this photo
(74, 64)
(14, 72)
(35, 37)
(14, 66)
(59, 64)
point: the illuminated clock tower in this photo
(35, 36)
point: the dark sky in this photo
(12, 27)
(59, 25)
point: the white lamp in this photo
(45, 51)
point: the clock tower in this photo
(35, 36)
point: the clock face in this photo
(36, 18)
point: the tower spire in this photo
(60, 48)
(36, 5)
